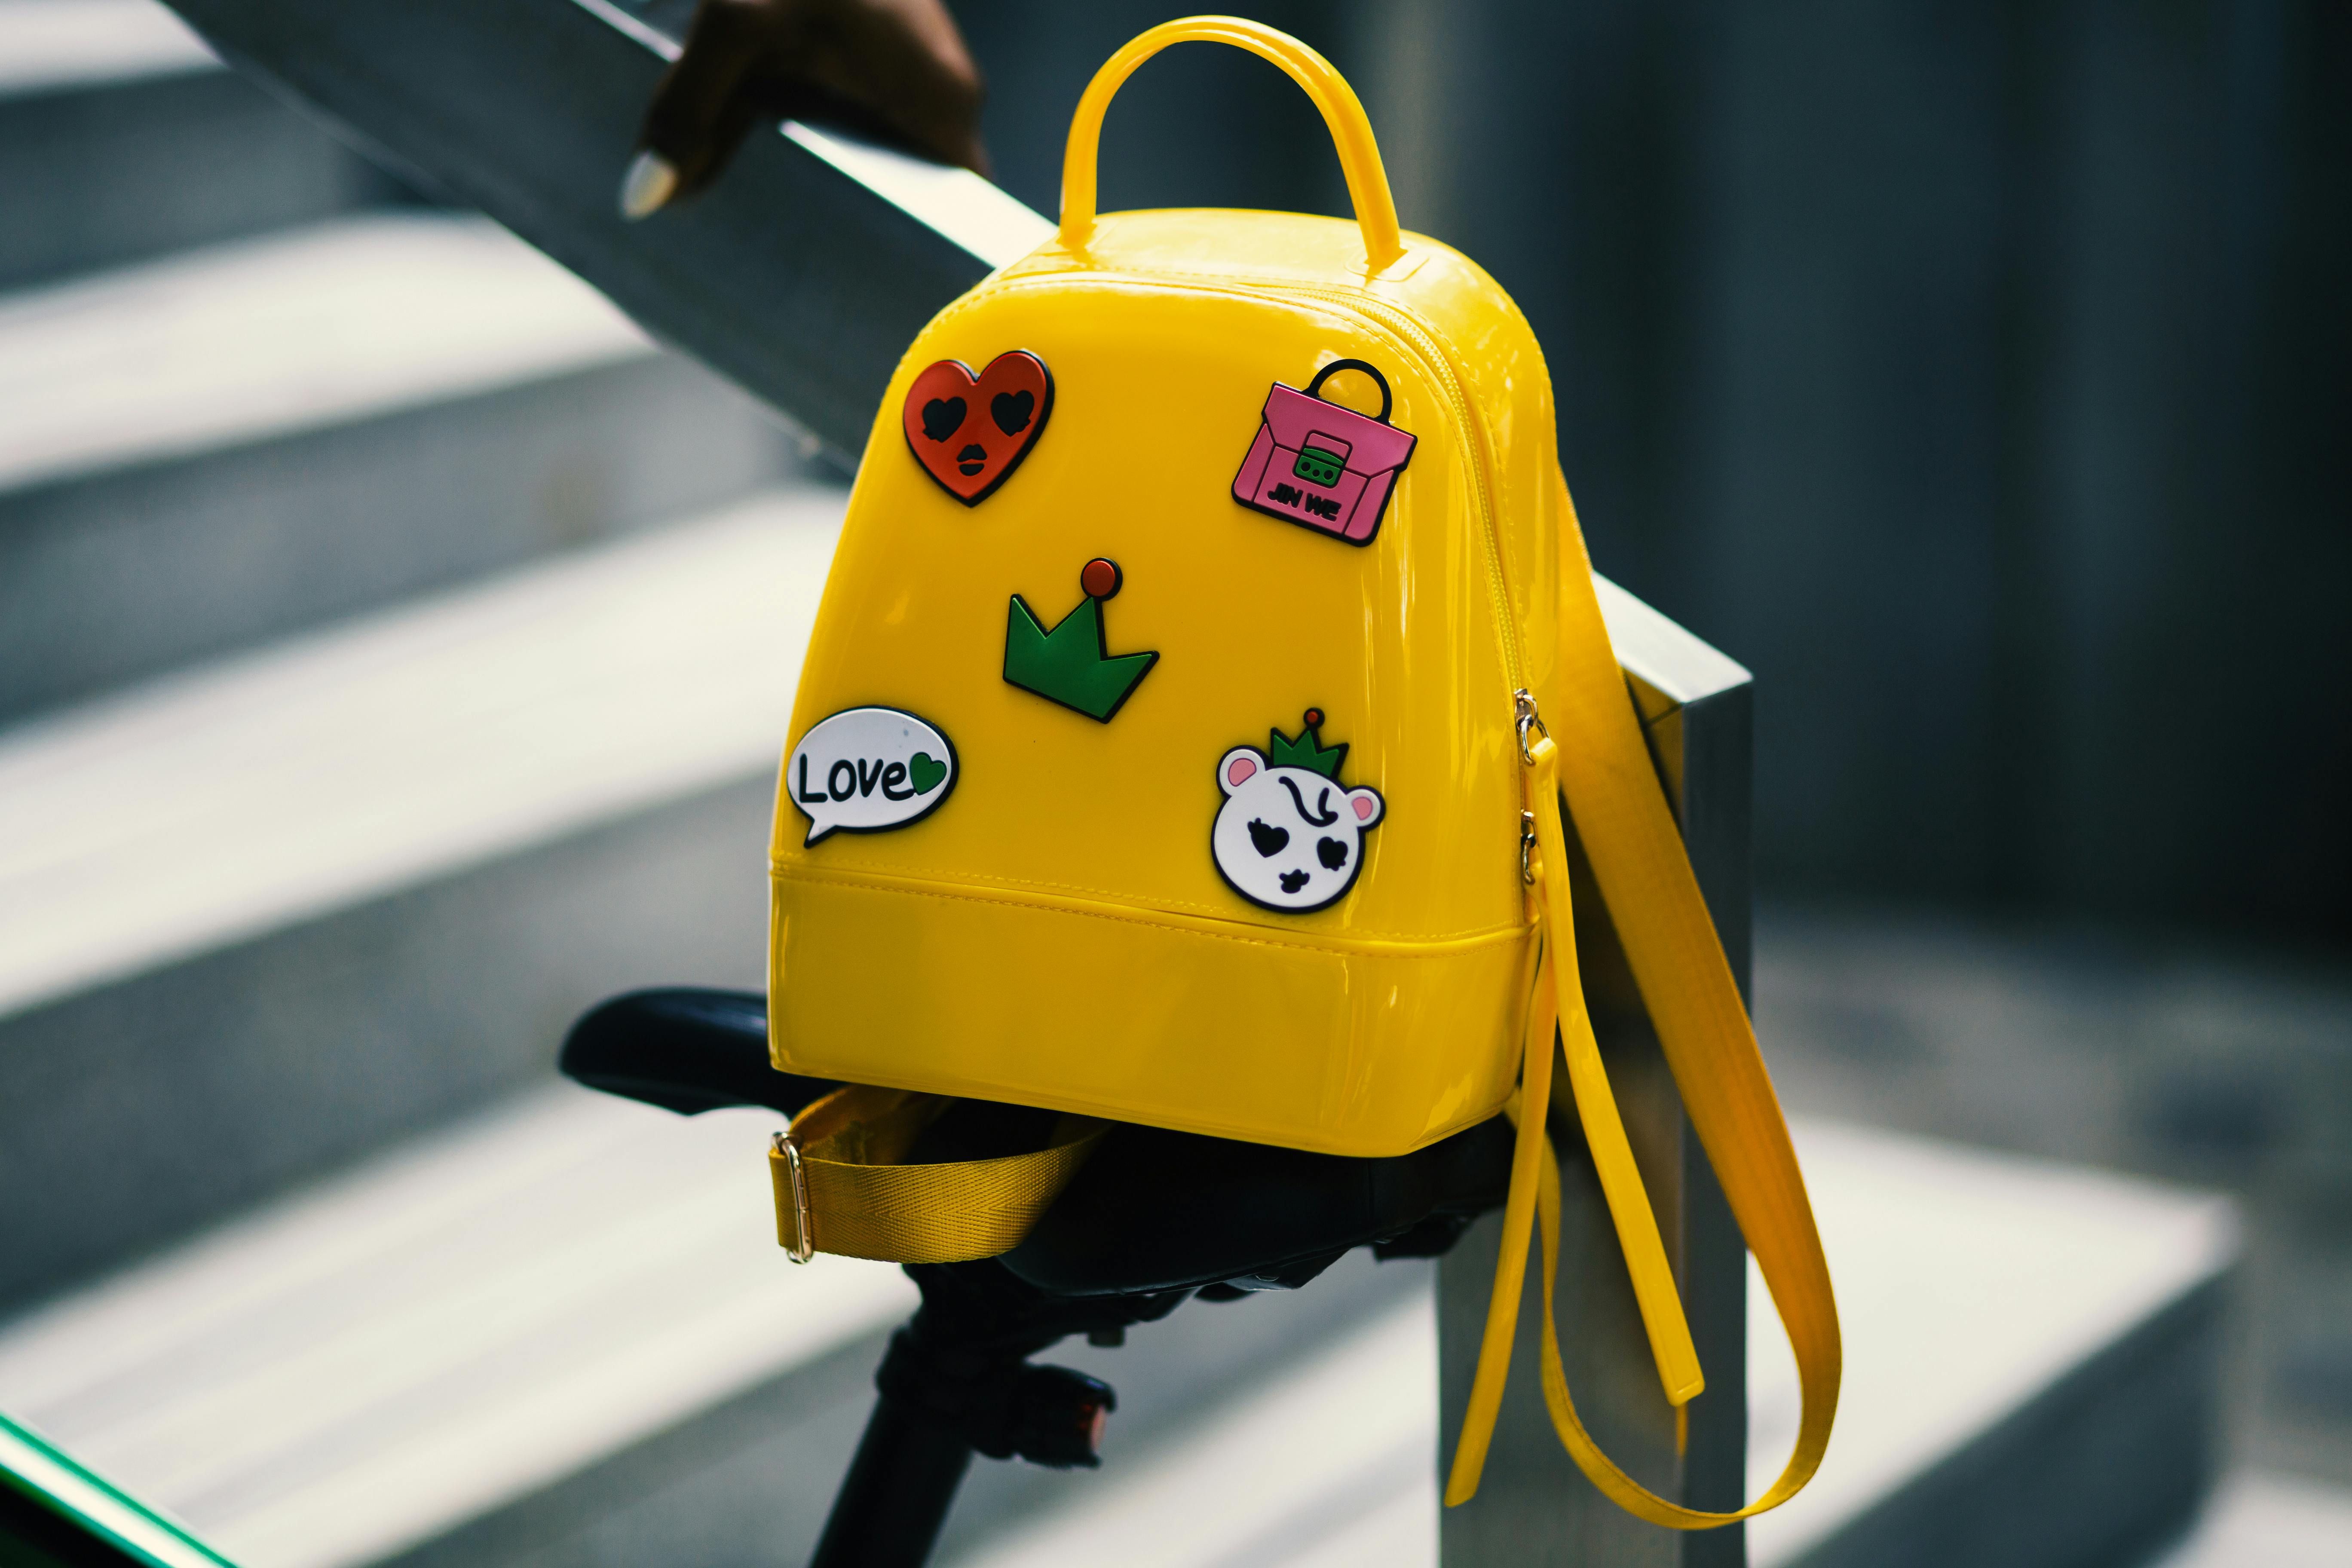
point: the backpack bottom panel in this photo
(1204, 1026)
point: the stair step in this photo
(2269, 1521)
(565, 1334)
(457, 1324)
(202, 452)
(2032, 1360)
(122, 137)
(1333, 1462)
(284, 907)
(56, 45)
(565, 1320)
(2030, 1367)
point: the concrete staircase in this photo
(557, 1333)
(202, 452)
(269, 899)
(394, 647)
(278, 910)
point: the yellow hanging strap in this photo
(841, 1189)
(1600, 763)
(1511, 1265)
(1558, 980)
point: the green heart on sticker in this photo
(925, 772)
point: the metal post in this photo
(1534, 1508)
(802, 275)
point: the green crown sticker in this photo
(1071, 665)
(1308, 750)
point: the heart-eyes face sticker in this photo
(970, 432)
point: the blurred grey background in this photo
(1980, 376)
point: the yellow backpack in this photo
(1182, 741)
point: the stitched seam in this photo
(1260, 290)
(1498, 935)
(1214, 911)
(991, 879)
(1253, 287)
(1199, 282)
(844, 869)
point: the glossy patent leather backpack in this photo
(1208, 653)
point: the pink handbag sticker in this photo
(1321, 466)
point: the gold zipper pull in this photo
(1524, 703)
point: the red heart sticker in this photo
(970, 432)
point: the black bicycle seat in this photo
(1152, 1210)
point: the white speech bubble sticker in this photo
(869, 770)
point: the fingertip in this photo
(647, 186)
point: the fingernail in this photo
(648, 185)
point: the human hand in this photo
(895, 68)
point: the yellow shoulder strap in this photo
(841, 1189)
(1600, 763)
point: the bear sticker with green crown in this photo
(1290, 835)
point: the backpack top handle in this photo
(1351, 132)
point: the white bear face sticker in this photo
(1289, 839)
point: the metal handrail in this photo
(802, 276)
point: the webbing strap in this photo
(840, 1187)
(1600, 763)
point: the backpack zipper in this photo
(1408, 326)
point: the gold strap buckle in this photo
(1528, 848)
(802, 1245)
